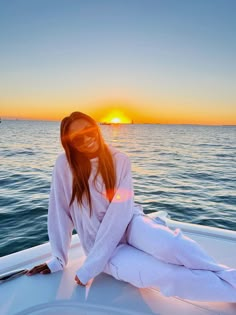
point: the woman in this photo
(92, 192)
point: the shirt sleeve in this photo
(112, 227)
(60, 225)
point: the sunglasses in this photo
(78, 137)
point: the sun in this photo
(115, 117)
(115, 120)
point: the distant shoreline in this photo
(113, 124)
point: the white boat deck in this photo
(57, 294)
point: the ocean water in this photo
(186, 170)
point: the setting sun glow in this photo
(116, 117)
(115, 120)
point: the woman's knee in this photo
(126, 264)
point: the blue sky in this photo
(179, 55)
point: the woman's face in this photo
(84, 136)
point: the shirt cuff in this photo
(83, 275)
(54, 265)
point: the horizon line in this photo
(117, 124)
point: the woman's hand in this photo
(79, 282)
(43, 269)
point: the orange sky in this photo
(163, 112)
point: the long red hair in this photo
(80, 164)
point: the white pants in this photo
(156, 256)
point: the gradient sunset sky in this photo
(169, 61)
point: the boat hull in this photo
(59, 294)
